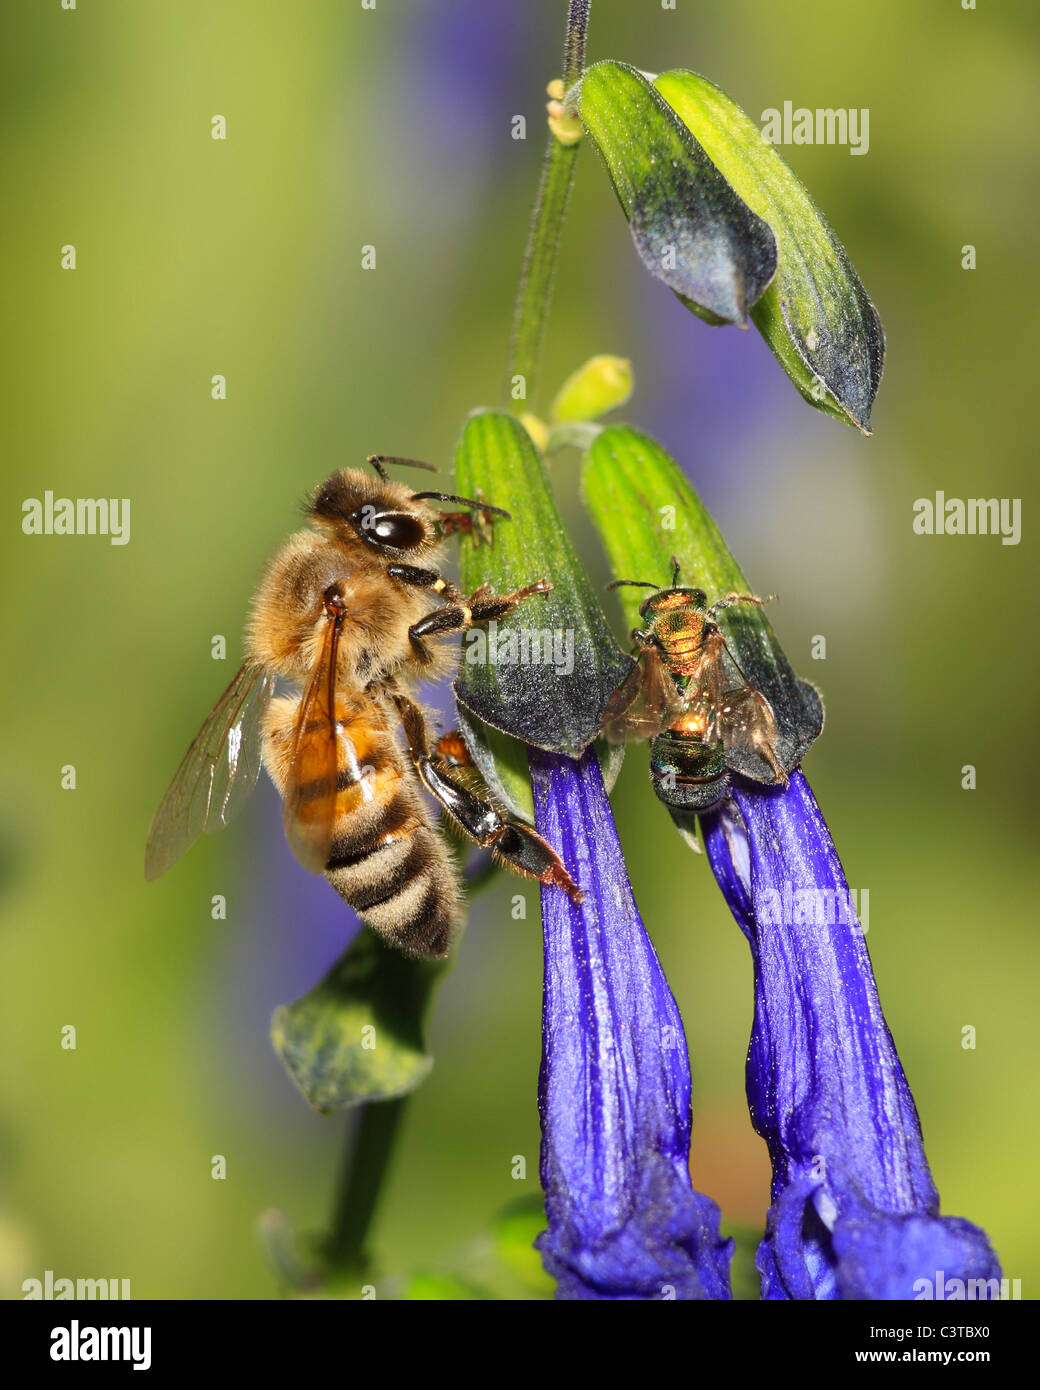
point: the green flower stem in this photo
(367, 1160)
(536, 277)
(370, 1145)
(534, 292)
(574, 47)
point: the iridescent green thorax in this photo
(681, 628)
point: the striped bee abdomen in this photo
(386, 858)
(401, 880)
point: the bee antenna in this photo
(463, 501)
(675, 573)
(633, 583)
(378, 460)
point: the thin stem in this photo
(574, 45)
(534, 292)
(370, 1146)
(365, 1166)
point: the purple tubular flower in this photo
(614, 1091)
(855, 1212)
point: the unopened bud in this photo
(565, 125)
(600, 384)
(537, 429)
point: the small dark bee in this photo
(354, 612)
(690, 698)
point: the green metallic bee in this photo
(690, 698)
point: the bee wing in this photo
(216, 774)
(646, 703)
(744, 719)
(743, 714)
(310, 790)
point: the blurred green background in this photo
(197, 257)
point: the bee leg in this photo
(481, 607)
(642, 640)
(731, 599)
(419, 578)
(451, 749)
(480, 525)
(516, 844)
(477, 521)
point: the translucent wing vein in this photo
(216, 774)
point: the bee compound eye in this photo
(396, 530)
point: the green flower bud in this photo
(601, 384)
(815, 315)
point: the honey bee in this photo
(690, 698)
(345, 612)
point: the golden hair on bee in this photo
(351, 505)
(353, 610)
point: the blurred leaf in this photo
(358, 1034)
(691, 229)
(300, 1265)
(599, 385)
(515, 1233)
(431, 1287)
(646, 512)
(540, 703)
(292, 1258)
(744, 1277)
(816, 315)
